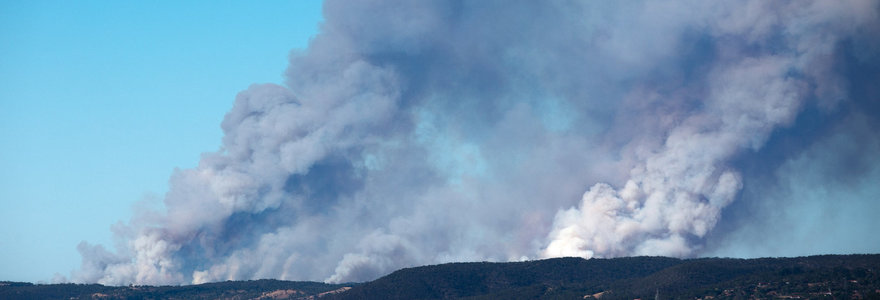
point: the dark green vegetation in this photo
(815, 277)
(829, 276)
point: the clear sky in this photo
(101, 100)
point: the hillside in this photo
(814, 277)
(251, 289)
(847, 276)
(505, 280)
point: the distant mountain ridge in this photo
(250, 289)
(831, 276)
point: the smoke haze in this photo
(421, 132)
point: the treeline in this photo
(815, 277)
(832, 276)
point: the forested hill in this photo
(827, 276)
(832, 276)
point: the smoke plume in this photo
(420, 132)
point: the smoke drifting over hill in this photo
(418, 132)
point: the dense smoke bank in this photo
(419, 132)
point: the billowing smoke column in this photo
(418, 132)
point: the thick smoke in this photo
(418, 132)
(772, 59)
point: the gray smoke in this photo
(419, 132)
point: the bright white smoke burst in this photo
(421, 132)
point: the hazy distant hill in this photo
(815, 277)
(251, 289)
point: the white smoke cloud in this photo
(426, 132)
(677, 190)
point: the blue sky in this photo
(101, 100)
